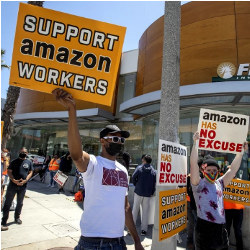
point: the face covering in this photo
(113, 148)
(210, 177)
(22, 155)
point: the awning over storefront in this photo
(196, 95)
(85, 115)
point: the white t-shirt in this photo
(106, 185)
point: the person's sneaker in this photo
(49, 185)
(143, 233)
(52, 185)
(4, 227)
(18, 221)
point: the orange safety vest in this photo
(5, 172)
(231, 205)
(7, 163)
(53, 165)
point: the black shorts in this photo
(210, 236)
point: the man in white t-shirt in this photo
(106, 206)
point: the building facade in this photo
(214, 74)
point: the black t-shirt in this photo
(21, 168)
(65, 165)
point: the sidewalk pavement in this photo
(51, 221)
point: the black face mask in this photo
(22, 155)
(113, 148)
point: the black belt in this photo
(98, 239)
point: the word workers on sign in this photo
(54, 49)
(238, 191)
(172, 212)
(222, 131)
(172, 164)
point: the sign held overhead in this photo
(54, 49)
(222, 131)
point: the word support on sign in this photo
(172, 212)
(54, 49)
(222, 131)
(172, 164)
(238, 191)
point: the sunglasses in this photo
(115, 139)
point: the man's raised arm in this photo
(80, 158)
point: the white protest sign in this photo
(172, 164)
(60, 178)
(222, 131)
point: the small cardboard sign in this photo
(58, 50)
(238, 191)
(60, 178)
(172, 164)
(172, 212)
(222, 131)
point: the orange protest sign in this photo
(238, 191)
(172, 212)
(54, 49)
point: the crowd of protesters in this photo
(209, 216)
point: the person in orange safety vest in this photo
(234, 214)
(53, 167)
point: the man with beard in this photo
(106, 206)
(20, 171)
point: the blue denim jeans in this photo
(52, 174)
(100, 245)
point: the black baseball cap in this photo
(113, 129)
(211, 162)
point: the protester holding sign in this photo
(210, 231)
(106, 207)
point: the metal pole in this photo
(169, 109)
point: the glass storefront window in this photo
(49, 140)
